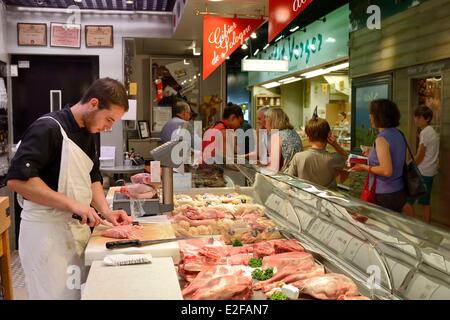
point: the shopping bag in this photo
(368, 193)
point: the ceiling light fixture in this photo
(265, 65)
(245, 58)
(320, 72)
(294, 29)
(253, 35)
(279, 38)
(244, 46)
(266, 46)
(256, 52)
(290, 80)
(271, 85)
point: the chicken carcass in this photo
(328, 287)
(220, 282)
(138, 191)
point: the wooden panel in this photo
(418, 35)
(5, 221)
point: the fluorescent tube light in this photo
(271, 85)
(265, 65)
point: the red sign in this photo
(282, 13)
(221, 37)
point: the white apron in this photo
(51, 242)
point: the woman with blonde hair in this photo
(284, 140)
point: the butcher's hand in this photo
(88, 215)
(119, 217)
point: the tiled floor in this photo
(20, 292)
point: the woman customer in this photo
(284, 140)
(387, 159)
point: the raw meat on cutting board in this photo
(122, 232)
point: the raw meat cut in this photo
(280, 261)
(142, 178)
(268, 248)
(328, 287)
(289, 276)
(138, 191)
(220, 282)
(122, 232)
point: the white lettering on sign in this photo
(297, 4)
(225, 39)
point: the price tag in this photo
(328, 234)
(353, 248)
(435, 260)
(274, 202)
(305, 218)
(340, 241)
(155, 171)
(421, 289)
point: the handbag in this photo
(368, 194)
(415, 186)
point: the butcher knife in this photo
(140, 243)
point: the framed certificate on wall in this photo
(32, 34)
(99, 36)
(65, 35)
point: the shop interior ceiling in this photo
(137, 5)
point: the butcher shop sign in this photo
(221, 37)
(282, 13)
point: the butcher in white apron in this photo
(51, 242)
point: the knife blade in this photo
(140, 243)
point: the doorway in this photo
(44, 84)
(48, 83)
(428, 91)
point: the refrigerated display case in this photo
(388, 255)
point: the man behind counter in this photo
(56, 171)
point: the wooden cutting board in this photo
(96, 248)
(154, 231)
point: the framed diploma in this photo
(99, 36)
(65, 35)
(144, 131)
(32, 34)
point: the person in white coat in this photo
(56, 172)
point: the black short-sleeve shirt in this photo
(39, 154)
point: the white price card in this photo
(155, 171)
(353, 248)
(340, 241)
(435, 260)
(274, 202)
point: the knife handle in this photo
(122, 244)
(77, 217)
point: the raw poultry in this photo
(122, 232)
(220, 282)
(328, 287)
